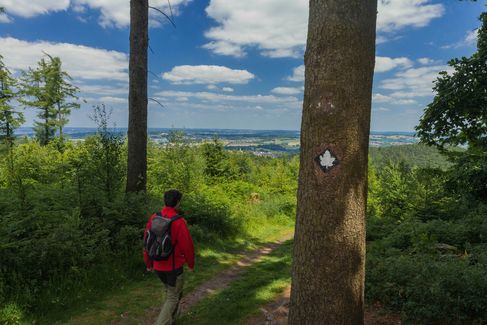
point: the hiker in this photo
(168, 263)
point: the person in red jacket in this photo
(170, 271)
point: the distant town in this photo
(260, 142)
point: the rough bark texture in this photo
(329, 246)
(137, 128)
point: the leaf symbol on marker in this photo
(327, 160)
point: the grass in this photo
(133, 298)
(260, 284)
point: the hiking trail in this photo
(217, 283)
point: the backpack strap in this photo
(176, 217)
(174, 247)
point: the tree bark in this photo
(137, 128)
(329, 245)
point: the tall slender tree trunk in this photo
(329, 246)
(60, 121)
(137, 128)
(46, 137)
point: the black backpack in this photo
(157, 242)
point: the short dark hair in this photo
(172, 198)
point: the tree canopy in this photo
(458, 112)
(48, 89)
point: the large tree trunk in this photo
(137, 128)
(329, 246)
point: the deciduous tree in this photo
(458, 115)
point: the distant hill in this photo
(412, 154)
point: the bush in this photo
(12, 314)
(428, 288)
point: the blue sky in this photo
(232, 63)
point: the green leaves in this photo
(458, 113)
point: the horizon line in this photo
(208, 128)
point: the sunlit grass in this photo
(258, 285)
(134, 298)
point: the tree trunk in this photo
(329, 245)
(137, 128)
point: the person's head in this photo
(172, 198)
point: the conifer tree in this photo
(9, 118)
(63, 92)
(48, 89)
(329, 242)
(137, 128)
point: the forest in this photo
(71, 233)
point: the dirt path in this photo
(275, 313)
(219, 282)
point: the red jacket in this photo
(184, 250)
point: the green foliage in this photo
(66, 225)
(176, 165)
(418, 155)
(217, 164)
(468, 175)
(427, 230)
(11, 314)
(458, 113)
(48, 89)
(9, 118)
(426, 246)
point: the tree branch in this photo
(152, 73)
(170, 9)
(161, 12)
(158, 102)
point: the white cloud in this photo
(212, 87)
(278, 28)
(470, 39)
(228, 89)
(113, 13)
(206, 74)
(225, 48)
(394, 15)
(381, 109)
(116, 13)
(29, 8)
(383, 63)
(221, 98)
(425, 61)
(380, 98)
(113, 100)
(105, 90)
(298, 74)
(79, 61)
(4, 19)
(414, 82)
(286, 90)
